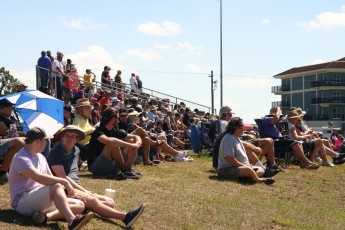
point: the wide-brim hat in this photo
(132, 112)
(73, 129)
(153, 107)
(83, 102)
(293, 114)
(300, 111)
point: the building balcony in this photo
(282, 104)
(327, 83)
(328, 100)
(280, 88)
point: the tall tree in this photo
(7, 82)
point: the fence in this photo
(145, 95)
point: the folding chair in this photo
(283, 151)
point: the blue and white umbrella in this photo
(37, 109)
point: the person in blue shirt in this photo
(44, 65)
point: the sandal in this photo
(310, 166)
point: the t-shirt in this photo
(87, 80)
(133, 82)
(58, 156)
(23, 161)
(44, 62)
(223, 125)
(96, 147)
(268, 129)
(231, 146)
(128, 127)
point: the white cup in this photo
(110, 193)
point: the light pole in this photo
(221, 56)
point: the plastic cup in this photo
(110, 193)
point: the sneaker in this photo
(276, 167)
(270, 172)
(310, 166)
(133, 215)
(136, 172)
(117, 176)
(327, 164)
(81, 221)
(269, 181)
(4, 178)
(184, 153)
(129, 174)
(340, 159)
(184, 159)
(39, 217)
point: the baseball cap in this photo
(36, 133)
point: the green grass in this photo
(189, 196)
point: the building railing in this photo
(145, 94)
(280, 88)
(327, 83)
(320, 100)
(281, 103)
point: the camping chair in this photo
(283, 151)
(200, 144)
(205, 141)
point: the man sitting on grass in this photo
(233, 162)
(63, 160)
(35, 191)
(105, 156)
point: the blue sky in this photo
(174, 45)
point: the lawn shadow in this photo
(10, 216)
(243, 180)
(111, 221)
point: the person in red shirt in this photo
(105, 100)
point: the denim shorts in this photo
(4, 146)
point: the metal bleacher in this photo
(144, 96)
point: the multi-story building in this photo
(318, 89)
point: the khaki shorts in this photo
(35, 200)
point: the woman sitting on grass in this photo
(233, 162)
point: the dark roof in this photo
(338, 64)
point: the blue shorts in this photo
(104, 167)
(4, 146)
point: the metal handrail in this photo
(126, 90)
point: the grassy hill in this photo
(189, 196)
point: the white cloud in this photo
(81, 23)
(196, 69)
(166, 29)
(265, 21)
(326, 20)
(190, 49)
(95, 57)
(162, 47)
(144, 54)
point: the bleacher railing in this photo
(144, 95)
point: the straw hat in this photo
(293, 114)
(300, 111)
(73, 129)
(83, 102)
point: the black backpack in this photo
(214, 130)
(215, 152)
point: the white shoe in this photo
(327, 164)
(188, 159)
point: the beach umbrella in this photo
(36, 109)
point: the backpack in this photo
(215, 152)
(214, 130)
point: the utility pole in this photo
(212, 93)
(221, 57)
(213, 88)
